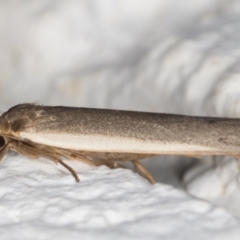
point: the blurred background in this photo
(161, 56)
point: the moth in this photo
(110, 137)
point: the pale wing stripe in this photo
(103, 143)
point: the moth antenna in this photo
(144, 171)
(70, 170)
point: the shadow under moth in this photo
(110, 137)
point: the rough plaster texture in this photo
(168, 56)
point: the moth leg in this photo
(24, 149)
(110, 164)
(118, 165)
(76, 156)
(70, 170)
(4, 150)
(135, 167)
(51, 154)
(144, 171)
(54, 156)
(35, 152)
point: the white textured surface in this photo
(169, 56)
(37, 199)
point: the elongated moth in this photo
(109, 137)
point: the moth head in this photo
(13, 127)
(4, 126)
(11, 124)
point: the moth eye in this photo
(2, 141)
